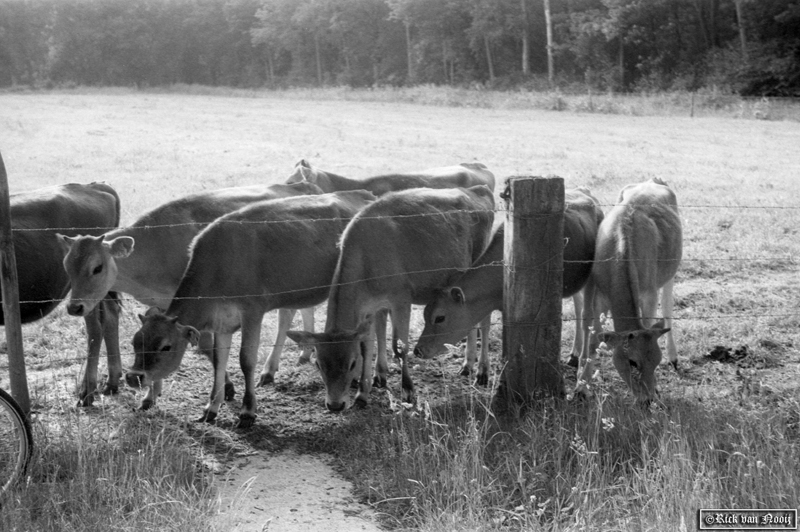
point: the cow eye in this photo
(438, 319)
(166, 348)
(97, 269)
(634, 364)
(353, 365)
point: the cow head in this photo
(159, 347)
(636, 355)
(447, 320)
(338, 353)
(303, 171)
(90, 263)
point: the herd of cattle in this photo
(212, 263)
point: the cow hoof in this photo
(108, 389)
(266, 379)
(407, 396)
(379, 382)
(573, 361)
(482, 380)
(85, 401)
(246, 421)
(208, 417)
(464, 371)
(146, 404)
(360, 402)
(230, 391)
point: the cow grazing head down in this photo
(91, 267)
(159, 347)
(636, 355)
(447, 321)
(338, 354)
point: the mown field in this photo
(725, 435)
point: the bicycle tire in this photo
(16, 442)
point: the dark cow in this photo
(147, 258)
(274, 254)
(639, 249)
(464, 175)
(397, 252)
(473, 295)
(36, 219)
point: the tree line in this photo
(747, 46)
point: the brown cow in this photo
(395, 253)
(274, 254)
(36, 219)
(147, 258)
(639, 248)
(473, 295)
(464, 175)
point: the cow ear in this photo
(142, 318)
(65, 242)
(191, 334)
(302, 338)
(457, 295)
(120, 247)
(607, 337)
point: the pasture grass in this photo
(724, 436)
(121, 473)
(598, 465)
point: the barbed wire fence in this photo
(128, 309)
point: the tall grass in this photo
(598, 465)
(88, 476)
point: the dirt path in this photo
(288, 492)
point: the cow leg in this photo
(586, 360)
(94, 334)
(401, 316)
(308, 326)
(667, 302)
(152, 394)
(577, 343)
(248, 359)
(222, 349)
(482, 377)
(367, 355)
(273, 361)
(470, 355)
(109, 319)
(205, 346)
(382, 364)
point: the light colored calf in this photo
(396, 252)
(639, 249)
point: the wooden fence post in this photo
(533, 279)
(10, 290)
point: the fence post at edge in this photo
(10, 290)
(532, 288)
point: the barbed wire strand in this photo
(418, 215)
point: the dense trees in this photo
(750, 46)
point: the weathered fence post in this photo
(10, 291)
(533, 279)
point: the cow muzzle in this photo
(136, 379)
(76, 309)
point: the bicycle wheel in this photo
(16, 441)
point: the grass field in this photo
(726, 435)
